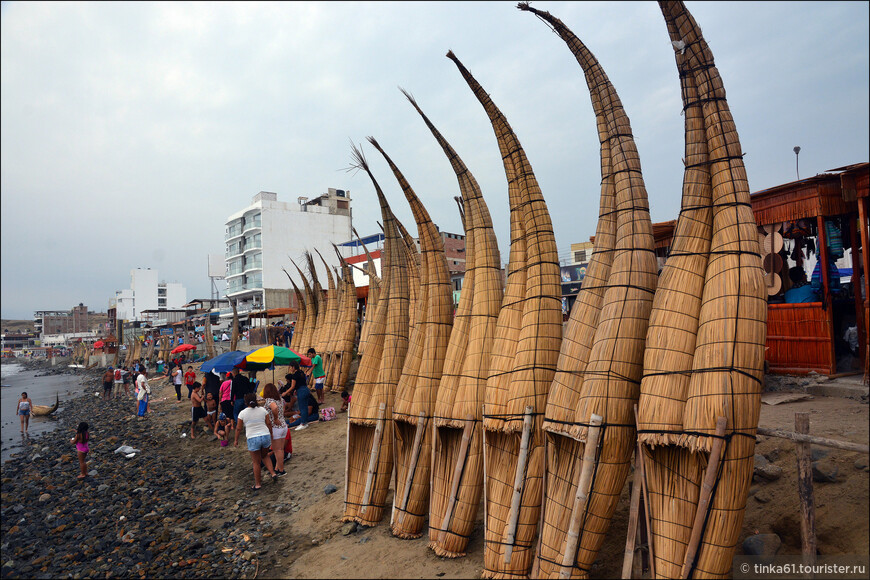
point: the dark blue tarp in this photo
(225, 362)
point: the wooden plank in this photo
(634, 506)
(373, 459)
(519, 478)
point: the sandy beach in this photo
(183, 508)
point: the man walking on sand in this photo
(108, 377)
(317, 373)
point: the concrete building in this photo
(146, 292)
(261, 239)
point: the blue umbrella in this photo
(225, 362)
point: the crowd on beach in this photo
(229, 404)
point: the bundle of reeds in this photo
(149, 352)
(346, 328)
(457, 464)
(373, 294)
(320, 302)
(209, 339)
(412, 258)
(587, 478)
(328, 337)
(726, 370)
(524, 354)
(311, 302)
(336, 295)
(296, 339)
(421, 374)
(370, 436)
(234, 337)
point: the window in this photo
(580, 256)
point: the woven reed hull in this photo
(563, 466)
(360, 440)
(468, 495)
(672, 474)
(724, 524)
(409, 522)
(501, 462)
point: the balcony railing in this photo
(254, 225)
(233, 232)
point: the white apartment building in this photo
(261, 239)
(147, 292)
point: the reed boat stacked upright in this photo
(523, 362)
(320, 301)
(593, 400)
(311, 302)
(417, 388)
(370, 436)
(700, 397)
(298, 329)
(327, 339)
(346, 328)
(457, 462)
(371, 300)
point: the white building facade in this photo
(147, 292)
(261, 239)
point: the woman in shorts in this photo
(258, 431)
(24, 405)
(275, 405)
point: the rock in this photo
(102, 487)
(861, 463)
(817, 453)
(762, 496)
(769, 472)
(773, 454)
(247, 556)
(761, 545)
(348, 528)
(18, 508)
(92, 472)
(825, 471)
(44, 497)
(329, 489)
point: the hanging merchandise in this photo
(834, 239)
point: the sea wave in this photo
(9, 369)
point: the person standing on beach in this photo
(275, 406)
(258, 431)
(196, 410)
(81, 441)
(24, 406)
(317, 373)
(119, 381)
(177, 378)
(108, 377)
(226, 398)
(189, 380)
(127, 377)
(211, 382)
(143, 394)
(241, 387)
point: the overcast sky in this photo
(131, 131)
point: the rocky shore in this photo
(131, 517)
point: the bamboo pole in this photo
(467, 433)
(704, 501)
(631, 537)
(646, 506)
(412, 465)
(518, 484)
(584, 483)
(805, 491)
(816, 440)
(373, 459)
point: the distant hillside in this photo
(17, 326)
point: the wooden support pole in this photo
(373, 459)
(519, 478)
(634, 508)
(412, 466)
(805, 491)
(704, 501)
(467, 434)
(805, 438)
(646, 509)
(584, 483)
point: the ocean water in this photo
(16, 378)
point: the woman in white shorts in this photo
(258, 431)
(275, 406)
